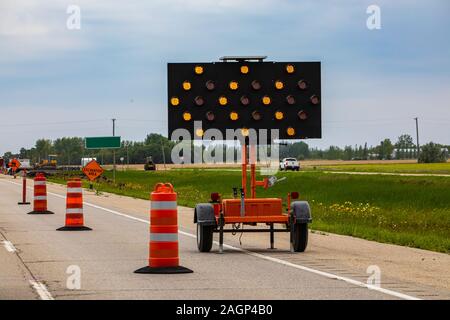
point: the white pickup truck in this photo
(289, 164)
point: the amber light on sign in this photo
(290, 131)
(245, 132)
(234, 116)
(199, 132)
(174, 101)
(223, 101)
(186, 85)
(279, 85)
(233, 85)
(187, 116)
(244, 69)
(290, 68)
(279, 115)
(266, 100)
(198, 69)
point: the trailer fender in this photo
(204, 214)
(302, 211)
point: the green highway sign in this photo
(102, 142)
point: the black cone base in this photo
(23, 203)
(164, 270)
(66, 228)
(41, 212)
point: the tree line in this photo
(403, 148)
(70, 150)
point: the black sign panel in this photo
(246, 95)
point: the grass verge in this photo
(432, 168)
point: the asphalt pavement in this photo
(39, 262)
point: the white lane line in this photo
(268, 258)
(41, 290)
(9, 246)
(389, 174)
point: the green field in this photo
(433, 168)
(410, 211)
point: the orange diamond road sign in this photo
(92, 170)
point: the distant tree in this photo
(403, 145)
(385, 149)
(365, 154)
(24, 153)
(432, 153)
(348, 153)
(405, 141)
(8, 156)
(44, 147)
(299, 150)
(69, 149)
(333, 153)
(360, 153)
(156, 144)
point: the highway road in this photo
(38, 262)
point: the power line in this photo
(51, 123)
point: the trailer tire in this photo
(204, 237)
(300, 241)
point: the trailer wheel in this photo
(204, 237)
(300, 240)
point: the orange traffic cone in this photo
(74, 207)
(163, 251)
(40, 195)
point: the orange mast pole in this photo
(244, 168)
(253, 170)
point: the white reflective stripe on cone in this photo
(74, 190)
(74, 210)
(40, 198)
(164, 237)
(39, 183)
(163, 205)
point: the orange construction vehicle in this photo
(14, 164)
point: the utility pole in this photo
(114, 151)
(163, 154)
(417, 135)
(128, 156)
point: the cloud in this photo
(122, 48)
(33, 30)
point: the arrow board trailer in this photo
(243, 94)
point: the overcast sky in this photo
(58, 82)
